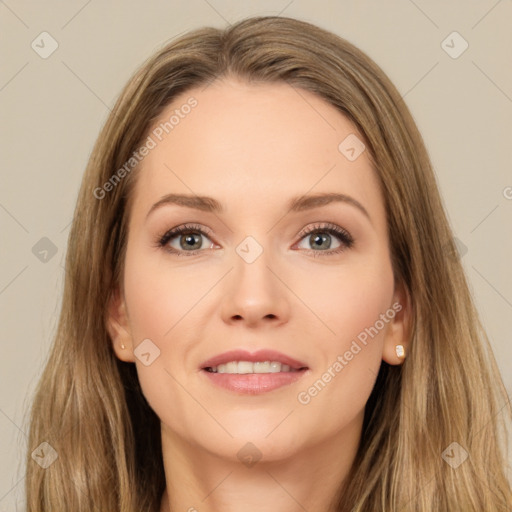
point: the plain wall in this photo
(53, 108)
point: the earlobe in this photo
(396, 341)
(118, 327)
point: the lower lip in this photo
(254, 383)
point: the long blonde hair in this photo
(89, 406)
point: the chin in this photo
(250, 451)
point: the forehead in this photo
(254, 144)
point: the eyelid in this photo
(324, 226)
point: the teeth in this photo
(263, 367)
(240, 367)
(249, 367)
(231, 367)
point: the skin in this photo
(253, 147)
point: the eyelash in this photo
(344, 237)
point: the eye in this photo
(188, 240)
(320, 237)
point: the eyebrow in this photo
(297, 204)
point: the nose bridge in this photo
(252, 262)
(254, 292)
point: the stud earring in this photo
(400, 351)
(123, 347)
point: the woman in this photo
(206, 357)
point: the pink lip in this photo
(253, 383)
(260, 355)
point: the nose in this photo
(255, 294)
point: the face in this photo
(313, 282)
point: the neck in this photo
(307, 479)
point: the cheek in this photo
(159, 297)
(162, 305)
(350, 299)
(349, 357)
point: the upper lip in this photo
(260, 355)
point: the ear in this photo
(399, 327)
(118, 327)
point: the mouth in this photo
(242, 372)
(244, 367)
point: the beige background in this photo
(53, 108)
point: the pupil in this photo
(321, 238)
(190, 240)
